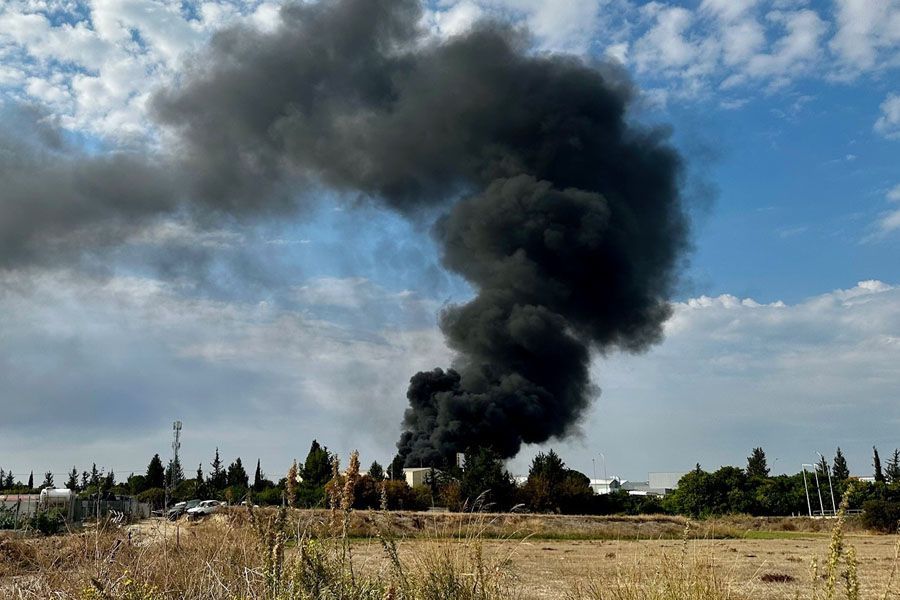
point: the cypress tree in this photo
(876, 463)
(257, 478)
(31, 480)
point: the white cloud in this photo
(868, 32)
(118, 359)
(734, 373)
(894, 193)
(888, 124)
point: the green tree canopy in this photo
(892, 470)
(317, 466)
(156, 473)
(72, 483)
(237, 475)
(376, 472)
(486, 484)
(757, 466)
(218, 479)
(840, 470)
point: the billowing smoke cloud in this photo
(570, 227)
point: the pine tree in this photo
(258, 478)
(757, 465)
(95, 476)
(822, 467)
(31, 480)
(9, 481)
(156, 474)
(174, 473)
(840, 470)
(72, 483)
(237, 475)
(876, 463)
(200, 488)
(48, 480)
(109, 481)
(892, 472)
(317, 467)
(85, 480)
(376, 472)
(217, 478)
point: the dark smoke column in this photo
(575, 249)
(570, 224)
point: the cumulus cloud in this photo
(867, 36)
(121, 357)
(734, 373)
(888, 124)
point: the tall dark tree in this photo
(174, 473)
(822, 467)
(237, 475)
(218, 479)
(9, 481)
(317, 467)
(31, 480)
(395, 469)
(376, 472)
(72, 483)
(109, 481)
(876, 464)
(156, 473)
(200, 487)
(258, 478)
(892, 470)
(757, 466)
(486, 485)
(95, 476)
(840, 471)
(85, 480)
(48, 480)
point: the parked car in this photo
(207, 507)
(180, 508)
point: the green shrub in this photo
(881, 515)
(46, 522)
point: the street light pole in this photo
(830, 486)
(806, 489)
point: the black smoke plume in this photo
(564, 217)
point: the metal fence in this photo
(22, 507)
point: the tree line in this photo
(486, 484)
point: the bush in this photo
(46, 522)
(881, 515)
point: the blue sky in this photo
(788, 114)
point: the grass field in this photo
(320, 555)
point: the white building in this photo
(416, 476)
(606, 486)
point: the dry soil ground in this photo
(548, 569)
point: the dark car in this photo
(181, 508)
